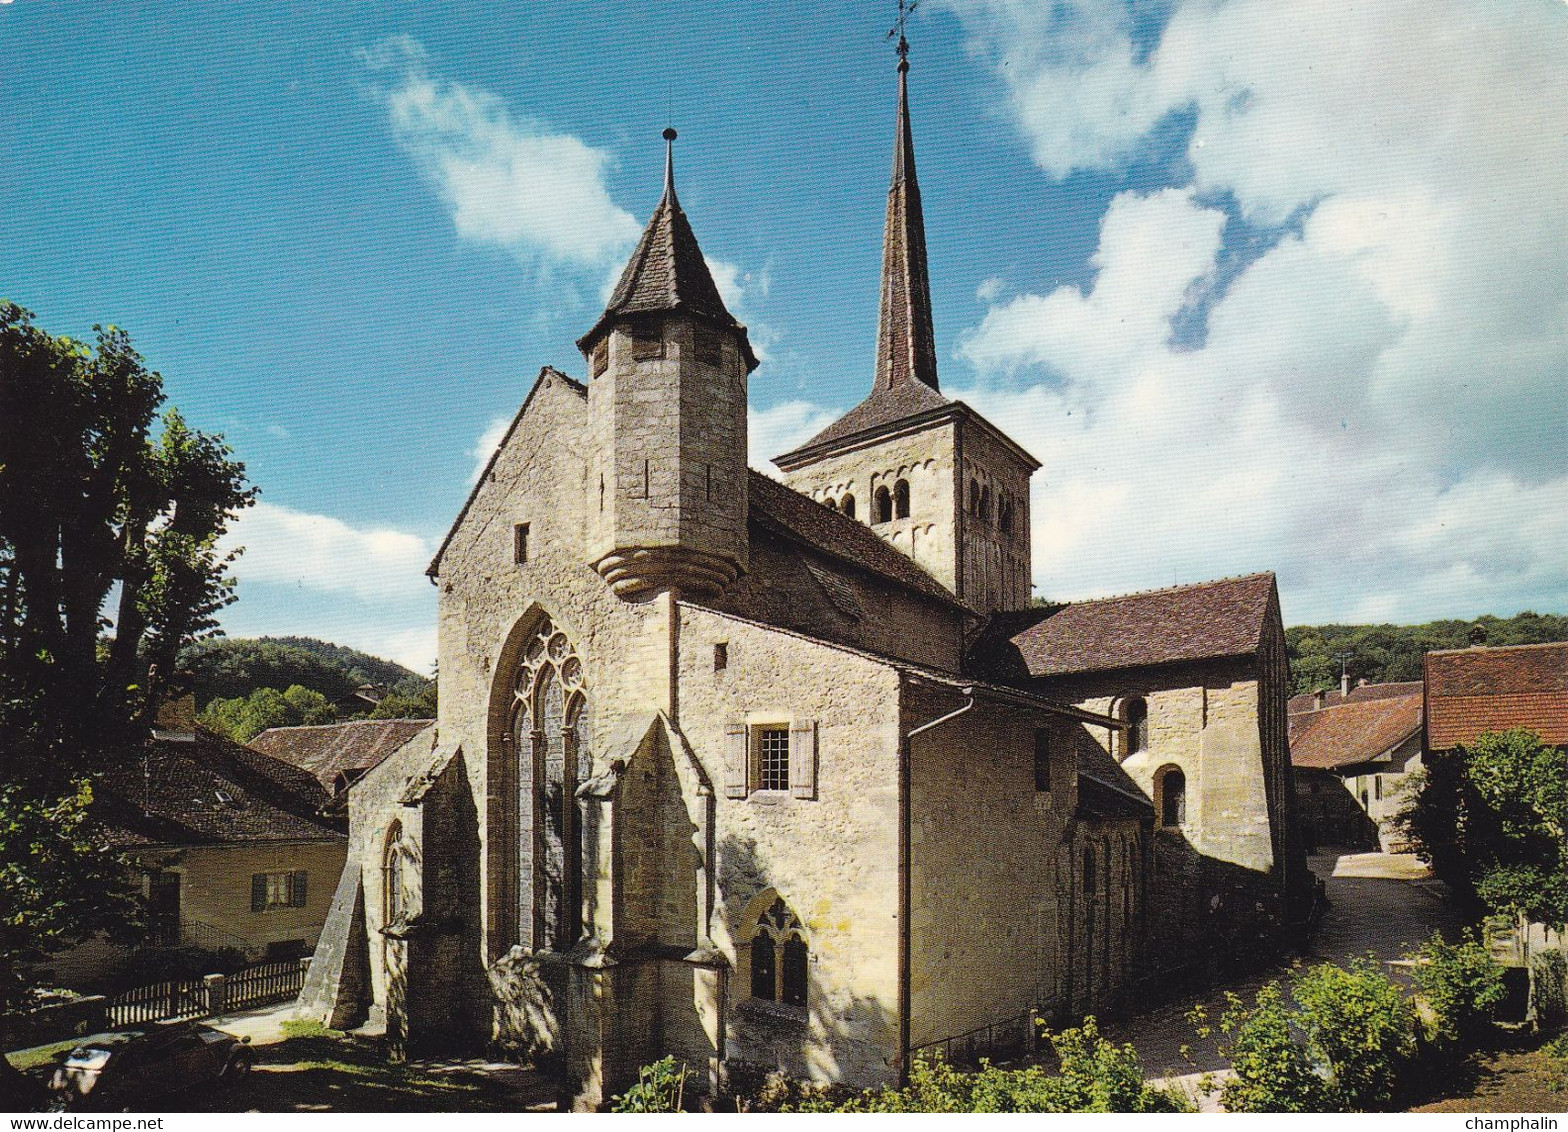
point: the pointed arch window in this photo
(780, 957)
(882, 505)
(551, 732)
(1004, 513)
(394, 878)
(974, 497)
(901, 499)
(985, 504)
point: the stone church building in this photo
(790, 774)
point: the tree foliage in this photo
(97, 516)
(233, 669)
(106, 523)
(1343, 1047)
(245, 717)
(1462, 988)
(1384, 653)
(1492, 820)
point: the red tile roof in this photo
(206, 790)
(1345, 734)
(1307, 701)
(1470, 691)
(334, 749)
(1223, 618)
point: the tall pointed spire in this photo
(906, 344)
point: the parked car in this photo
(125, 1069)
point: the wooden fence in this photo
(268, 982)
(213, 994)
(157, 1002)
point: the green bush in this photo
(1462, 985)
(660, 1087)
(1358, 1024)
(1274, 1072)
(1094, 1076)
(1549, 990)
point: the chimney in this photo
(1361, 683)
(1478, 636)
(1344, 685)
(1317, 699)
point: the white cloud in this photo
(990, 290)
(774, 431)
(318, 553)
(314, 575)
(1376, 409)
(488, 442)
(509, 180)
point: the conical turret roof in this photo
(667, 273)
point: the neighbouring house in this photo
(720, 770)
(232, 845)
(1481, 688)
(338, 754)
(1353, 756)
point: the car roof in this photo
(111, 1039)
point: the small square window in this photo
(721, 656)
(520, 543)
(1042, 760)
(773, 758)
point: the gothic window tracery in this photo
(551, 737)
(780, 957)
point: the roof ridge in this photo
(1168, 589)
(1484, 649)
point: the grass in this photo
(1521, 1079)
(25, 1059)
(320, 1070)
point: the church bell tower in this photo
(667, 366)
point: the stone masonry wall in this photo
(833, 858)
(925, 459)
(1203, 718)
(996, 562)
(983, 847)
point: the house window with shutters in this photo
(277, 890)
(771, 760)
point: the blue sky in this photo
(1265, 285)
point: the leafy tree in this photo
(98, 515)
(1342, 1048)
(1492, 819)
(233, 669)
(398, 705)
(245, 717)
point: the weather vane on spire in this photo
(906, 8)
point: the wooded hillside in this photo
(1383, 653)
